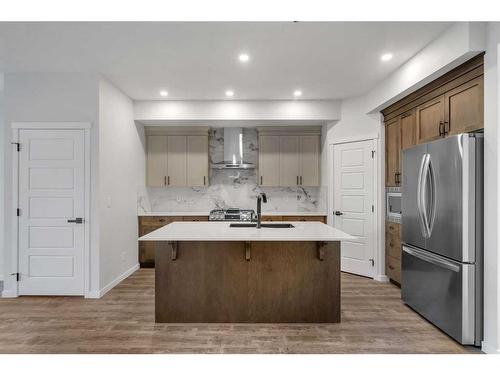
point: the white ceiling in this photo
(198, 61)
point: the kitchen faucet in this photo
(260, 198)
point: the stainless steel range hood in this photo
(233, 151)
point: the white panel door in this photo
(51, 193)
(352, 202)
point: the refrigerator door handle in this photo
(420, 189)
(430, 258)
(429, 196)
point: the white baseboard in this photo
(112, 284)
(381, 278)
(9, 294)
(488, 349)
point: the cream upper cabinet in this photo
(176, 160)
(289, 157)
(197, 160)
(177, 156)
(269, 160)
(156, 165)
(289, 160)
(309, 152)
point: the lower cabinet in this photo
(148, 224)
(393, 251)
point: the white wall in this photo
(454, 46)
(2, 210)
(44, 97)
(121, 172)
(491, 342)
(321, 110)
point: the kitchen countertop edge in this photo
(278, 213)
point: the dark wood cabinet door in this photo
(392, 148)
(430, 120)
(407, 123)
(464, 107)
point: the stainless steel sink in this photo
(263, 225)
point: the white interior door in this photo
(51, 195)
(353, 201)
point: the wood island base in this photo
(247, 282)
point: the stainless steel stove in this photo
(232, 214)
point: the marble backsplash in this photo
(232, 188)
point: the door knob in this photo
(78, 220)
(338, 213)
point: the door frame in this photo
(378, 198)
(16, 127)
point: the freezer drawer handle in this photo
(431, 259)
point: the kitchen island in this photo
(209, 272)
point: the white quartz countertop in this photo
(205, 213)
(220, 231)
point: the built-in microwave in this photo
(393, 202)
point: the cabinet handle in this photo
(261, 180)
(301, 180)
(391, 267)
(441, 129)
(204, 181)
(168, 179)
(165, 181)
(396, 178)
(297, 180)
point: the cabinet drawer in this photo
(392, 246)
(392, 228)
(393, 268)
(272, 218)
(304, 218)
(195, 218)
(159, 220)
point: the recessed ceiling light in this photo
(164, 93)
(229, 93)
(386, 57)
(297, 93)
(244, 57)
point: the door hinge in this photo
(18, 146)
(17, 275)
(18, 212)
(373, 208)
(373, 154)
(372, 261)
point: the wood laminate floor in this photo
(374, 320)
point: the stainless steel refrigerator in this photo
(442, 234)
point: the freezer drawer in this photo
(441, 290)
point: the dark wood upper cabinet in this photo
(407, 122)
(430, 120)
(392, 147)
(464, 107)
